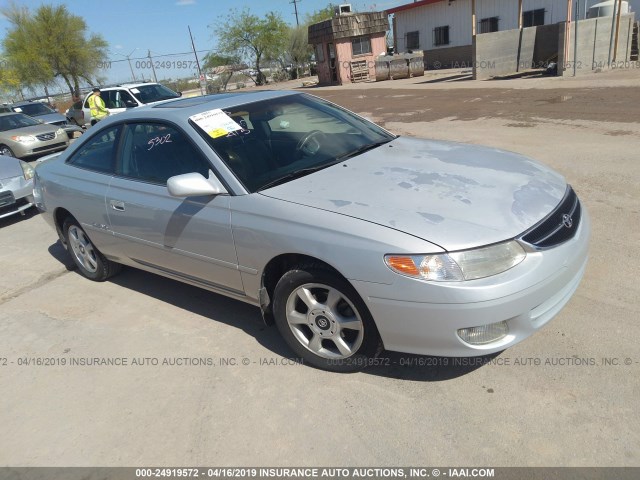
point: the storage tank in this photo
(605, 9)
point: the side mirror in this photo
(179, 94)
(130, 104)
(194, 185)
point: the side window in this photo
(126, 100)
(154, 152)
(99, 152)
(108, 98)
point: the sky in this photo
(133, 28)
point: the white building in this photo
(442, 28)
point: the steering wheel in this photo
(309, 144)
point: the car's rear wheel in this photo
(324, 320)
(6, 151)
(91, 263)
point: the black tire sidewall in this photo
(292, 280)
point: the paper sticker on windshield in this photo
(216, 123)
(135, 91)
(17, 109)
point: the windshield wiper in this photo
(362, 149)
(297, 174)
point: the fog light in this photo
(484, 333)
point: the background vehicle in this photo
(119, 99)
(75, 114)
(16, 186)
(45, 114)
(347, 237)
(22, 136)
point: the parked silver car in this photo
(16, 186)
(346, 236)
(22, 136)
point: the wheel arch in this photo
(59, 216)
(276, 268)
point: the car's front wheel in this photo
(324, 320)
(6, 151)
(91, 263)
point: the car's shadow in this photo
(248, 318)
(19, 217)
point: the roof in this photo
(181, 109)
(346, 26)
(409, 6)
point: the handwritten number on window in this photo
(154, 142)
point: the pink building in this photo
(346, 46)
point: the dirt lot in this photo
(568, 396)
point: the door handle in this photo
(119, 206)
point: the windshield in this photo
(153, 93)
(273, 141)
(17, 120)
(34, 109)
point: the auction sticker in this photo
(215, 122)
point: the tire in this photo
(324, 320)
(90, 262)
(6, 151)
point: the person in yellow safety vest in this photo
(96, 104)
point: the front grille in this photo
(559, 226)
(48, 147)
(46, 136)
(6, 198)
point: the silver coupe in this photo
(349, 238)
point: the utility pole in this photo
(575, 40)
(613, 27)
(200, 77)
(128, 57)
(615, 44)
(155, 79)
(295, 6)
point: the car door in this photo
(86, 182)
(188, 238)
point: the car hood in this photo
(51, 118)
(9, 167)
(32, 130)
(455, 195)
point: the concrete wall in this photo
(593, 40)
(452, 57)
(503, 53)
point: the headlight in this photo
(458, 266)
(27, 170)
(24, 138)
(60, 132)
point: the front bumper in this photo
(16, 196)
(26, 150)
(421, 317)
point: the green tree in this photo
(223, 66)
(320, 15)
(52, 43)
(255, 39)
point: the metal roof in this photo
(409, 6)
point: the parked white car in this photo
(119, 99)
